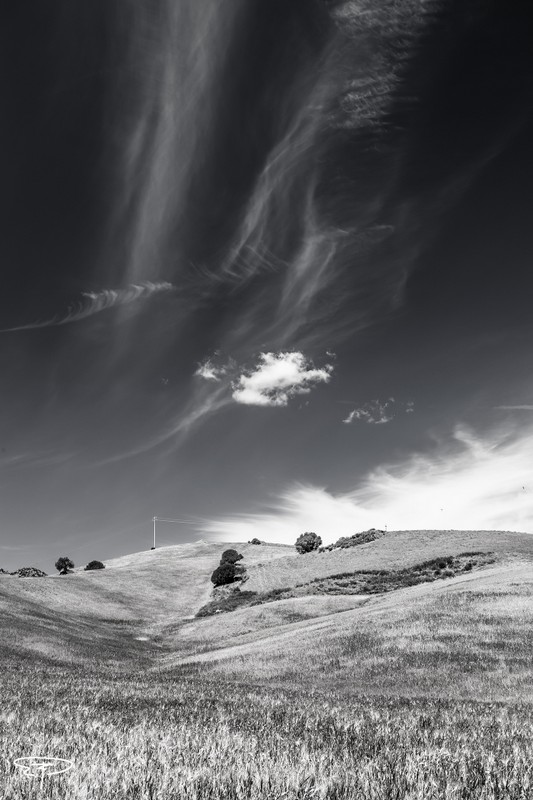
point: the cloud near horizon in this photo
(514, 408)
(277, 378)
(95, 302)
(468, 483)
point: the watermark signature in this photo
(39, 766)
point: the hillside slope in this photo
(87, 614)
(395, 550)
(139, 612)
(466, 637)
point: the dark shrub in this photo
(230, 603)
(30, 572)
(468, 566)
(230, 557)
(223, 574)
(95, 565)
(64, 565)
(308, 542)
(255, 541)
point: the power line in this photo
(165, 519)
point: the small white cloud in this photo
(374, 413)
(278, 378)
(209, 371)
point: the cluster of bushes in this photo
(354, 540)
(370, 581)
(379, 581)
(64, 566)
(310, 541)
(25, 572)
(228, 570)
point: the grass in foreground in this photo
(194, 738)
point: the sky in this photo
(266, 269)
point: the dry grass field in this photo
(421, 693)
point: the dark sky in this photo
(266, 269)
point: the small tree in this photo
(230, 557)
(223, 574)
(308, 542)
(95, 565)
(255, 540)
(64, 564)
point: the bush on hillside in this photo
(255, 541)
(64, 565)
(30, 572)
(224, 574)
(95, 565)
(230, 557)
(357, 538)
(308, 542)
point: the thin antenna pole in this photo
(154, 531)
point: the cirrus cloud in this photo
(95, 302)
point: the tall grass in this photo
(196, 738)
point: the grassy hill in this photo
(395, 550)
(99, 614)
(466, 637)
(140, 611)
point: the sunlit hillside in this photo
(395, 550)
(465, 637)
(140, 612)
(67, 618)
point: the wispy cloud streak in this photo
(96, 302)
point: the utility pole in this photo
(164, 519)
